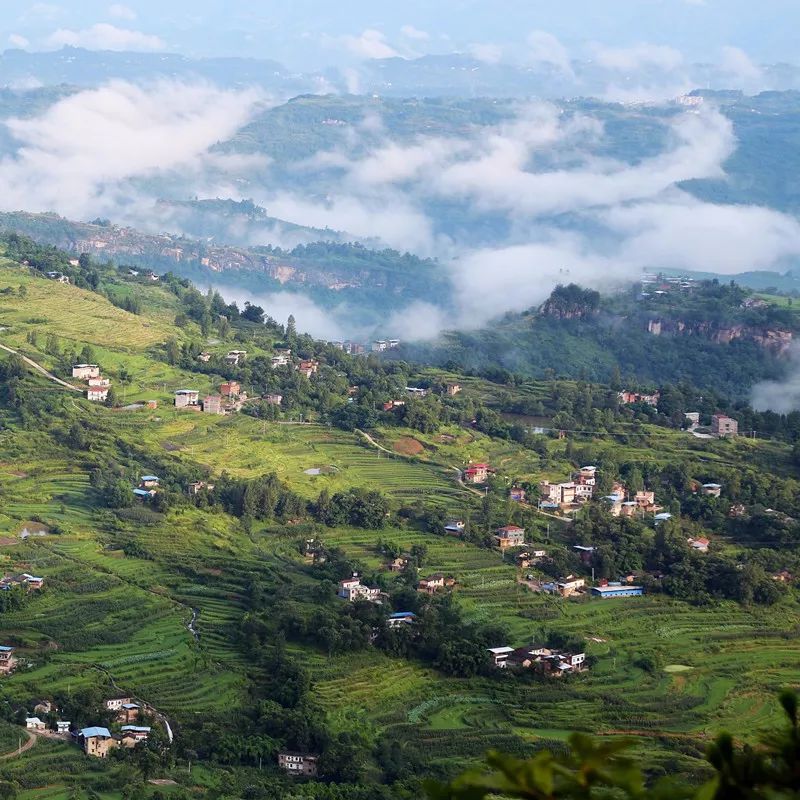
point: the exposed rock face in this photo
(777, 341)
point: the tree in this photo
(172, 351)
(253, 313)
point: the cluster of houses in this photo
(567, 495)
(96, 385)
(148, 487)
(30, 582)
(436, 583)
(572, 494)
(548, 661)
(359, 349)
(628, 398)
(229, 398)
(97, 741)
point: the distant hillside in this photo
(332, 273)
(712, 335)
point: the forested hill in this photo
(711, 334)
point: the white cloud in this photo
(119, 11)
(18, 41)
(739, 65)
(410, 32)
(640, 56)
(683, 233)
(487, 52)
(371, 43)
(544, 48)
(79, 157)
(103, 36)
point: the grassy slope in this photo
(738, 657)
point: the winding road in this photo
(39, 368)
(20, 750)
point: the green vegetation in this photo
(218, 608)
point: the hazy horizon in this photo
(305, 36)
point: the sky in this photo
(310, 34)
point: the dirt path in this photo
(20, 750)
(39, 368)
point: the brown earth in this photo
(408, 446)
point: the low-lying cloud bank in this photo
(570, 212)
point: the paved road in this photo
(19, 750)
(39, 368)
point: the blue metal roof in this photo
(149, 477)
(88, 733)
(5, 649)
(135, 729)
(402, 615)
(141, 492)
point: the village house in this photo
(212, 404)
(149, 482)
(298, 764)
(700, 544)
(784, 576)
(273, 399)
(144, 494)
(279, 361)
(724, 427)
(62, 727)
(693, 418)
(401, 618)
(133, 734)
(97, 394)
(235, 357)
(711, 489)
(433, 583)
(476, 473)
(569, 586)
(30, 582)
(85, 371)
(230, 389)
(416, 391)
(35, 724)
(99, 382)
(585, 552)
(455, 527)
(499, 655)
(629, 398)
(97, 741)
(117, 703)
(7, 659)
(646, 501)
(394, 344)
(308, 368)
(530, 557)
(398, 564)
(453, 389)
(516, 494)
(537, 656)
(509, 536)
(200, 486)
(351, 589)
(43, 707)
(613, 590)
(129, 713)
(380, 346)
(58, 277)
(391, 405)
(613, 503)
(187, 398)
(204, 357)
